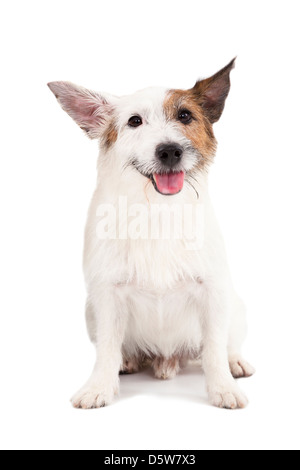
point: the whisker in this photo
(193, 177)
(197, 194)
(125, 166)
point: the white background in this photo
(46, 180)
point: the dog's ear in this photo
(88, 108)
(212, 92)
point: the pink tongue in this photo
(170, 183)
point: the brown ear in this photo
(212, 92)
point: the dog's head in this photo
(165, 135)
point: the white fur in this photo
(156, 296)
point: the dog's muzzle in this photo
(169, 181)
(167, 175)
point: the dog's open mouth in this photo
(165, 183)
(168, 184)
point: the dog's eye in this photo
(185, 116)
(135, 121)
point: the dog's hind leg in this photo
(131, 366)
(238, 366)
(166, 368)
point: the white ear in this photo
(89, 109)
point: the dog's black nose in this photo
(169, 154)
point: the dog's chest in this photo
(164, 322)
(161, 264)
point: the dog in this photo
(162, 300)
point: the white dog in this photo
(151, 297)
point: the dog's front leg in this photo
(222, 389)
(110, 320)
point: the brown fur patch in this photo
(199, 132)
(110, 134)
(206, 102)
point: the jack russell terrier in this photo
(159, 289)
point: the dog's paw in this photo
(240, 368)
(166, 368)
(227, 396)
(93, 396)
(130, 366)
